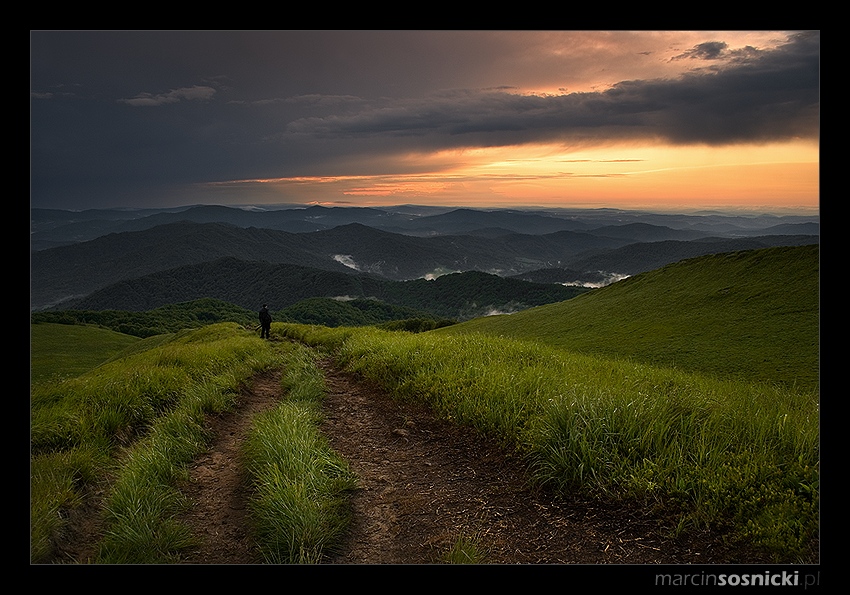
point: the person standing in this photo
(265, 322)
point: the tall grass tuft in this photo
(299, 504)
(57, 483)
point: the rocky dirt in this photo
(423, 484)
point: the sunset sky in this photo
(672, 120)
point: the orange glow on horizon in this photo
(779, 175)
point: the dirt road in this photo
(423, 485)
(426, 483)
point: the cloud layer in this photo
(116, 118)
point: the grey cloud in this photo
(710, 50)
(273, 104)
(196, 92)
(770, 96)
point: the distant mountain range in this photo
(52, 227)
(137, 259)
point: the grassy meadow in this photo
(752, 315)
(131, 424)
(50, 355)
(606, 394)
(300, 484)
(735, 456)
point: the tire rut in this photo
(425, 483)
(218, 487)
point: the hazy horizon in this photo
(807, 212)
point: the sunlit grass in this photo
(751, 315)
(719, 453)
(134, 424)
(715, 451)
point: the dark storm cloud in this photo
(718, 50)
(123, 116)
(710, 50)
(770, 96)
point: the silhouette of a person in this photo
(265, 322)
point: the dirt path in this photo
(218, 487)
(423, 484)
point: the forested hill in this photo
(73, 271)
(248, 284)
(197, 313)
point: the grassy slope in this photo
(688, 297)
(751, 315)
(70, 350)
(145, 402)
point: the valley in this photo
(243, 256)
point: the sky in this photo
(663, 120)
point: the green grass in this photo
(300, 485)
(693, 389)
(752, 315)
(130, 426)
(61, 350)
(465, 550)
(736, 456)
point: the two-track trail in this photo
(423, 485)
(219, 488)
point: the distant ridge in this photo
(248, 284)
(70, 272)
(54, 227)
